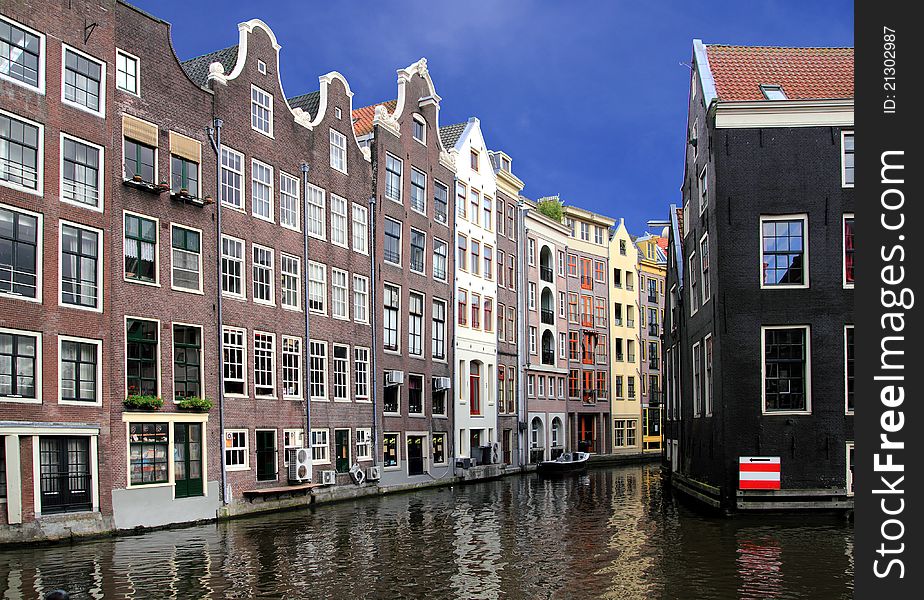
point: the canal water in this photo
(612, 533)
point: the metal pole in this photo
(521, 335)
(215, 139)
(306, 368)
(373, 311)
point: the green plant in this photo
(195, 403)
(551, 208)
(138, 402)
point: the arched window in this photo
(535, 438)
(475, 388)
(557, 439)
(548, 348)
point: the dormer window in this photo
(261, 66)
(773, 92)
(505, 164)
(420, 129)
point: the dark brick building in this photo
(759, 323)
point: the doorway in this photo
(415, 459)
(266, 455)
(187, 459)
(342, 448)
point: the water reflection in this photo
(608, 534)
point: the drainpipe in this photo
(306, 368)
(373, 322)
(521, 341)
(215, 139)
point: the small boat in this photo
(569, 462)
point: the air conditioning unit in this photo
(328, 477)
(441, 383)
(300, 465)
(394, 377)
(374, 473)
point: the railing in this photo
(619, 356)
(630, 322)
(653, 329)
(393, 256)
(548, 316)
(77, 191)
(653, 298)
(18, 173)
(548, 356)
(654, 397)
(617, 322)
(440, 213)
(546, 274)
(587, 283)
(631, 357)
(653, 365)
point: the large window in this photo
(418, 191)
(848, 250)
(625, 432)
(438, 332)
(786, 369)
(339, 284)
(187, 361)
(81, 267)
(391, 302)
(139, 160)
(338, 156)
(694, 285)
(261, 111)
(140, 248)
(707, 381)
(415, 402)
(148, 455)
(363, 444)
(184, 176)
(20, 156)
(82, 77)
(317, 372)
(264, 364)
(81, 165)
(462, 258)
(415, 324)
(474, 388)
(237, 451)
(261, 190)
(288, 201)
(360, 228)
(361, 373)
(142, 370)
(392, 250)
(127, 76)
(704, 268)
(232, 266)
(232, 176)
(849, 371)
(847, 159)
(186, 268)
(418, 247)
(341, 366)
(21, 57)
(393, 172)
(440, 202)
(390, 450)
(440, 257)
(79, 370)
(317, 223)
(784, 251)
(320, 446)
(291, 367)
(264, 277)
(234, 353)
(360, 299)
(65, 474)
(317, 287)
(338, 220)
(291, 268)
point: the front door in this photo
(342, 447)
(64, 464)
(508, 445)
(586, 433)
(415, 461)
(187, 459)
(266, 455)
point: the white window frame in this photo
(398, 199)
(243, 294)
(365, 371)
(421, 121)
(325, 445)
(694, 306)
(254, 248)
(157, 248)
(325, 397)
(847, 286)
(245, 448)
(844, 183)
(345, 288)
(243, 335)
(806, 257)
(239, 157)
(532, 340)
(172, 266)
(696, 367)
(299, 367)
(364, 440)
(99, 266)
(255, 167)
(847, 410)
(335, 138)
(39, 254)
(131, 57)
(39, 351)
(272, 355)
(360, 229)
(39, 163)
(335, 216)
(808, 371)
(360, 309)
(410, 200)
(348, 381)
(849, 482)
(706, 291)
(101, 174)
(292, 439)
(297, 276)
(445, 244)
(286, 214)
(422, 270)
(708, 398)
(269, 132)
(40, 76)
(703, 190)
(103, 82)
(320, 208)
(320, 268)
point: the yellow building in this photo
(652, 269)
(624, 341)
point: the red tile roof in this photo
(662, 242)
(362, 117)
(803, 73)
(680, 222)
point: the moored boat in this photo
(569, 462)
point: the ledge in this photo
(276, 491)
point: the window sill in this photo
(187, 291)
(139, 282)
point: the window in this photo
(360, 229)
(511, 214)
(473, 163)
(625, 432)
(501, 261)
(461, 192)
(630, 386)
(415, 324)
(391, 404)
(415, 395)
(292, 440)
(341, 364)
(694, 285)
(361, 373)
(784, 251)
(439, 402)
(391, 302)
(572, 266)
(440, 202)
(20, 158)
(288, 201)
(617, 390)
(81, 267)
(476, 311)
(420, 129)
(317, 287)
(127, 76)
(511, 271)
(574, 386)
(338, 220)
(79, 369)
(703, 191)
(704, 268)
(232, 266)
(81, 81)
(847, 159)
(848, 250)
(707, 381)
(186, 265)
(81, 165)
(599, 271)
(418, 191)
(474, 197)
(463, 307)
(488, 262)
(291, 367)
(338, 158)
(392, 249)
(849, 366)
(462, 258)
(439, 448)
(187, 361)
(440, 256)
(237, 453)
(418, 247)
(474, 380)
(234, 353)
(850, 463)
(339, 294)
(531, 385)
(360, 299)
(630, 282)
(531, 251)
(184, 176)
(232, 178)
(3, 469)
(600, 312)
(261, 190)
(264, 277)
(585, 231)
(562, 346)
(773, 92)
(261, 111)
(20, 254)
(394, 168)
(138, 160)
(532, 296)
(500, 321)
(390, 450)
(572, 307)
(264, 364)
(573, 346)
(317, 370)
(320, 446)
(488, 314)
(598, 235)
(291, 268)
(476, 257)
(488, 213)
(363, 444)
(786, 374)
(317, 226)
(22, 55)
(603, 351)
(148, 445)
(141, 358)
(532, 340)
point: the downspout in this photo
(306, 382)
(521, 335)
(215, 139)
(373, 306)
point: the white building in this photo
(476, 291)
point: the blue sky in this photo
(589, 98)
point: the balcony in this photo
(548, 316)
(653, 298)
(587, 282)
(589, 397)
(548, 356)
(546, 274)
(630, 323)
(653, 329)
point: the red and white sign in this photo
(759, 473)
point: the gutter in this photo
(522, 422)
(306, 368)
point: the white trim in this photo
(39, 254)
(99, 369)
(172, 285)
(39, 162)
(298, 201)
(272, 112)
(137, 72)
(40, 87)
(243, 332)
(271, 201)
(844, 183)
(243, 173)
(808, 371)
(349, 378)
(272, 269)
(301, 367)
(325, 371)
(420, 119)
(101, 172)
(703, 188)
(243, 294)
(311, 445)
(273, 363)
(849, 481)
(694, 306)
(847, 286)
(331, 138)
(847, 410)
(805, 251)
(103, 82)
(702, 274)
(246, 447)
(368, 443)
(697, 392)
(784, 113)
(160, 379)
(156, 282)
(201, 357)
(708, 396)
(39, 352)
(397, 435)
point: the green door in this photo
(342, 446)
(187, 459)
